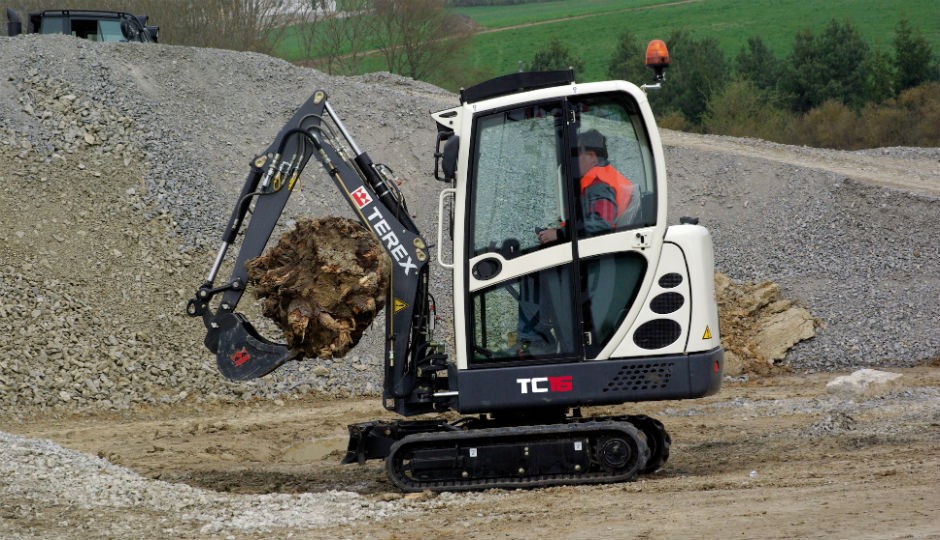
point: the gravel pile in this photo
(39, 471)
(122, 164)
(122, 161)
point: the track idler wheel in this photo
(657, 440)
(623, 454)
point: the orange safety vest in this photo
(607, 174)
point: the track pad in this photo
(243, 354)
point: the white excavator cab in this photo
(563, 320)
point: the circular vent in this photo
(669, 281)
(667, 303)
(657, 334)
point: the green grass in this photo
(503, 16)
(593, 32)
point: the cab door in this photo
(519, 290)
(616, 258)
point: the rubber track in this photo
(524, 434)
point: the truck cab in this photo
(115, 26)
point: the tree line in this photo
(245, 25)
(416, 38)
(831, 90)
(475, 3)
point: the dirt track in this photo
(772, 458)
(881, 170)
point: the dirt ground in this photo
(774, 457)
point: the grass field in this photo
(590, 28)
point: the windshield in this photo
(94, 29)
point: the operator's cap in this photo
(593, 140)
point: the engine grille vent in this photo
(670, 280)
(639, 377)
(657, 334)
(667, 303)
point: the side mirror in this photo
(446, 161)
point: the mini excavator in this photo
(541, 329)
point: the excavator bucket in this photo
(242, 353)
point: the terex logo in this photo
(240, 357)
(361, 197)
(540, 385)
(392, 243)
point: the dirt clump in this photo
(323, 283)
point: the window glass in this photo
(525, 318)
(610, 284)
(52, 25)
(110, 31)
(613, 162)
(517, 182)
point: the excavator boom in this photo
(314, 131)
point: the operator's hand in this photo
(547, 236)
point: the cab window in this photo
(518, 184)
(613, 162)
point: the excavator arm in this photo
(412, 362)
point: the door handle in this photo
(451, 192)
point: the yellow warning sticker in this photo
(399, 305)
(708, 333)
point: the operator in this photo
(605, 193)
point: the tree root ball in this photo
(322, 284)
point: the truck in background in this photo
(85, 24)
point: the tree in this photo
(628, 61)
(338, 39)
(880, 77)
(914, 60)
(830, 67)
(418, 37)
(555, 57)
(309, 15)
(757, 63)
(697, 69)
(742, 109)
(241, 25)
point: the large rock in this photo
(758, 326)
(781, 331)
(863, 382)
